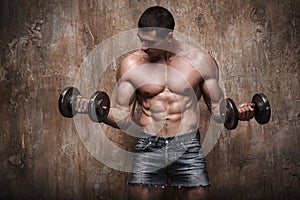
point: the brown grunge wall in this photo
(43, 44)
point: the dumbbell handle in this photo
(98, 107)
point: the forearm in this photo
(215, 105)
(213, 96)
(118, 118)
(216, 111)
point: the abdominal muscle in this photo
(168, 114)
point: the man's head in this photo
(159, 19)
(156, 26)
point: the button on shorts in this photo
(178, 159)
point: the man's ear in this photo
(170, 36)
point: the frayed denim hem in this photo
(191, 186)
(164, 186)
(148, 185)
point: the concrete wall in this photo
(44, 43)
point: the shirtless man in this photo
(167, 78)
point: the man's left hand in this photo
(246, 111)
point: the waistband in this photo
(181, 137)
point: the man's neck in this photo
(171, 51)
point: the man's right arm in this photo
(120, 115)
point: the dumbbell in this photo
(262, 111)
(98, 107)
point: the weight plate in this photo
(262, 110)
(65, 102)
(99, 106)
(231, 114)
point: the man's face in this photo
(152, 44)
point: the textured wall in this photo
(44, 42)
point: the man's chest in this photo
(177, 76)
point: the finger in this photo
(249, 115)
(81, 104)
(246, 113)
(251, 112)
(77, 102)
(86, 103)
(78, 105)
(241, 113)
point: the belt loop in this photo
(156, 140)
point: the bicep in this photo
(212, 93)
(125, 97)
(210, 88)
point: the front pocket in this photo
(191, 147)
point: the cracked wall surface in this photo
(43, 44)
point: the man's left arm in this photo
(213, 94)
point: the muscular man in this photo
(167, 78)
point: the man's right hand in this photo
(81, 104)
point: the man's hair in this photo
(157, 18)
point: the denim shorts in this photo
(177, 160)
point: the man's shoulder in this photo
(196, 54)
(132, 61)
(135, 57)
(193, 51)
(202, 60)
